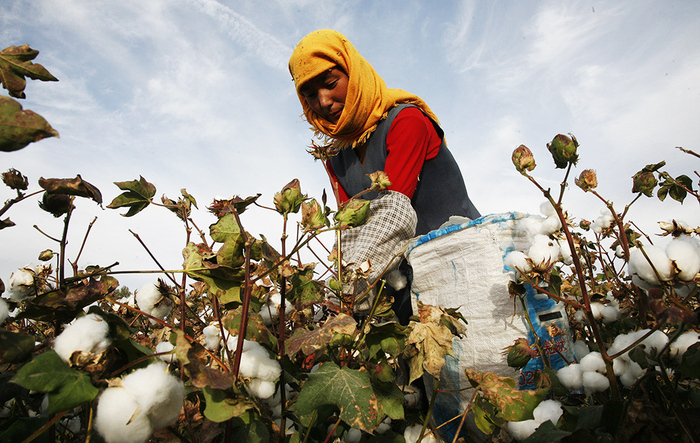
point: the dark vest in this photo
(439, 194)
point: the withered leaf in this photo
(71, 186)
(15, 65)
(309, 342)
(513, 404)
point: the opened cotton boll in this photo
(680, 345)
(520, 430)
(159, 394)
(518, 262)
(396, 279)
(119, 418)
(548, 410)
(4, 311)
(639, 265)
(581, 348)
(21, 285)
(89, 333)
(565, 252)
(270, 311)
(353, 435)
(152, 299)
(166, 346)
(685, 256)
(261, 389)
(212, 337)
(593, 362)
(571, 376)
(595, 382)
(543, 252)
(412, 434)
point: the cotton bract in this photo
(85, 334)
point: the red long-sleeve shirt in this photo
(412, 139)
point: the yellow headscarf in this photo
(368, 99)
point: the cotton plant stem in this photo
(584, 292)
(44, 428)
(464, 415)
(246, 301)
(429, 414)
(8, 204)
(82, 245)
(172, 279)
(64, 241)
(282, 333)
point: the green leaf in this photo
(255, 328)
(67, 387)
(690, 364)
(305, 291)
(513, 404)
(15, 347)
(389, 337)
(484, 415)
(138, 195)
(347, 389)
(547, 432)
(18, 127)
(15, 64)
(223, 282)
(223, 405)
(390, 399)
(226, 229)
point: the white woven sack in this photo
(461, 266)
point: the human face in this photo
(325, 94)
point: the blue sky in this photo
(195, 94)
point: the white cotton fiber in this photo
(565, 252)
(548, 410)
(412, 433)
(610, 314)
(597, 309)
(632, 373)
(166, 346)
(682, 343)
(547, 209)
(571, 376)
(517, 260)
(543, 251)
(520, 430)
(261, 388)
(119, 419)
(212, 337)
(550, 225)
(686, 257)
(595, 382)
(21, 285)
(159, 393)
(85, 334)
(655, 342)
(353, 436)
(593, 362)
(638, 264)
(581, 349)
(148, 296)
(4, 311)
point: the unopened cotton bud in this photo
(15, 180)
(290, 198)
(380, 180)
(587, 180)
(312, 216)
(644, 182)
(523, 159)
(563, 150)
(353, 213)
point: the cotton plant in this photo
(4, 311)
(143, 401)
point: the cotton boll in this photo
(550, 225)
(593, 362)
(686, 257)
(396, 279)
(623, 341)
(633, 373)
(118, 418)
(610, 314)
(159, 393)
(597, 309)
(21, 285)
(580, 316)
(655, 342)
(353, 436)
(517, 260)
(148, 296)
(682, 343)
(256, 363)
(639, 265)
(411, 397)
(383, 426)
(595, 382)
(261, 388)
(85, 334)
(548, 410)
(543, 250)
(212, 337)
(4, 311)
(412, 433)
(565, 252)
(571, 376)
(581, 348)
(165, 346)
(520, 430)
(621, 365)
